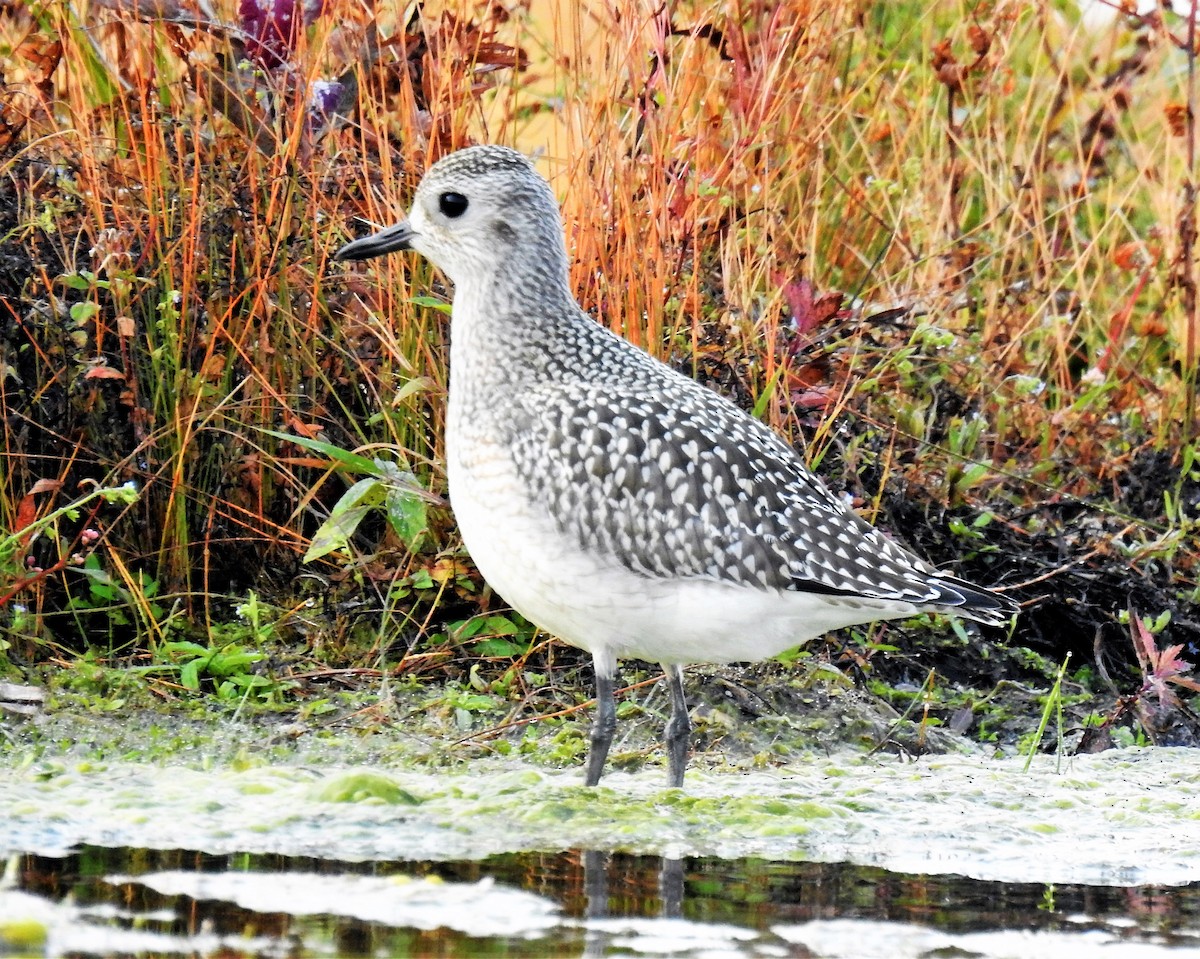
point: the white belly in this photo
(592, 602)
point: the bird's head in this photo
(477, 213)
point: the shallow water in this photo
(100, 901)
(841, 856)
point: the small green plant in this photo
(17, 569)
(925, 697)
(109, 595)
(1048, 899)
(973, 531)
(493, 635)
(227, 665)
(1052, 703)
(230, 660)
(386, 486)
(62, 552)
(104, 687)
(258, 618)
(467, 703)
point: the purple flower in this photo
(272, 27)
(325, 97)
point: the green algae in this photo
(976, 816)
(361, 786)
(19, 934)
(407, 792)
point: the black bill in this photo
(387, 240)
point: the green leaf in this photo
(466, 628)
(501, 626)
(764, 398)
(176, 647)
(344, 518)
(82, 312)
(473, 702)
(497, 647)
(92, 570)
(365, 492)
(189, 675)
(335, 532)
(103, 89)
(971, 475)
(232, 663)
(343, 458)
(249, 681)
(418, 384)
(407, 515)
(76, 281)
(432, 302)
(126, 493)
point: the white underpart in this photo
(616, 614)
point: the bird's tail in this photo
(960, 598)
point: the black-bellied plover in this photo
(616, 503)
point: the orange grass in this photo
(1006, 181)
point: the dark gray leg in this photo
(670, 887)
(679, 727)
(602, 729)
(595, 883)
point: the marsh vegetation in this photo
(948, 249)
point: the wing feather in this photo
(682, 484)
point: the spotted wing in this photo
(679, 483)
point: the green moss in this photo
(17, 935)
(364, 787)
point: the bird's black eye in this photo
(452, 205)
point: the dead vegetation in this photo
(949, 248)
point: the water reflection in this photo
(670, 887)
(143, 902)
(595, 883)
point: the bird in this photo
(612, 501)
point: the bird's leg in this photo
(670, 887)
(595, 883)
(679, 726)
(602, 729)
